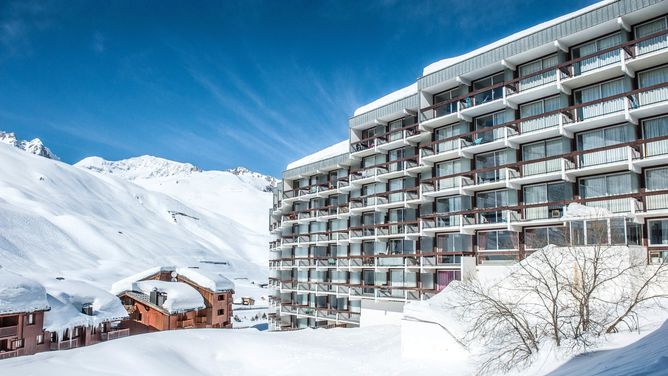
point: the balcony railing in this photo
(380, 139)
(115, 334)
(609, 155)
(572, 68)
(384, 168)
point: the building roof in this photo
(387, 99)
(181, 297)
(207, 276)
(19, 294)
(68, 297)
(331, 151)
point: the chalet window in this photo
(54, 337)
(40, 339)
(18, 343)
(221, 312)
(31, 319)
(221, 297)
(76, 332)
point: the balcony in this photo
(646, 52)
(388, 170)
(443, 222)
(544, 169)
(115, 334)
(493, 177)
(605, 159)
(448, 185)
(441, 150)
(490, 138)
(539, 84)
(393, 139)
(440, 113)
(9, 331)
(482, 101)
(596, 67)
(385, 230)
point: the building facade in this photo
(476, 165)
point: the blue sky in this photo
(225, 83)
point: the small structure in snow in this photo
(165, 298)
(22, 306)
(82, 314)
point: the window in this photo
(607, 185)
(497, 240)
(221, 312)
(493, 199)
(544, 193)
(31, 319)
(538, 108)
(489, 121)
(543, 149)
(39, 339)
(487, 95)
(221, 297)
(493, 159)
(652, 44)
(17, 344)
(535, 66)
(444, 97)
(599, 91)
(658, 232)
(656, 179)
(540, 237)
(592, 47)
(454, 243)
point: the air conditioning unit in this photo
(555, 213)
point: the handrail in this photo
(382, 135)
(411, 158)
(641, 194)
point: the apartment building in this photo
(476, 165)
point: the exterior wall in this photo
(478, 171)
(26, 332)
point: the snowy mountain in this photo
(149, 167)
(61, 220)
(34, 147)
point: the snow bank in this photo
(445, 63)
(342, 147)
(19, 294)
(392, 97)
(648, 356)
(575, 210)
(211, 352)
(67, 298)
(181, 297)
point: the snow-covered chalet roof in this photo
(67, 298)
(181, 297)
(205, 275)
(19, 294)
(328, 152)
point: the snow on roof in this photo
(328, 152)
(67, 298)
(19, 294)
(392, 97)
(442, 64)
(181, 297)
(208, 276)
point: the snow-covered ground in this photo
(368, 351)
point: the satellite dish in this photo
(174, 274)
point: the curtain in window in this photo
(535, 194)
(655, 127)
(655, 43)
(657, 179)
(533, 151)
(593, 187)
(650, 78)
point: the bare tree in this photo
(572, 295)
